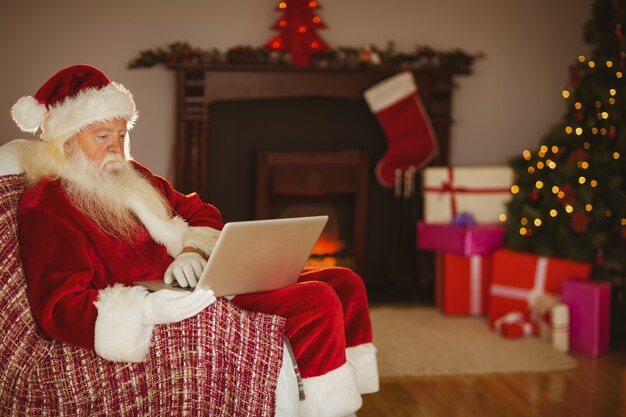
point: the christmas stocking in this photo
(410, 138)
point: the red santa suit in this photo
(80, 278)
(70, 264)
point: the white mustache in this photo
(112, 158)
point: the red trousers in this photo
(326, 311)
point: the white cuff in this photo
(333, 394)
(202, 238)
(120, 333)
(363, 359)
(390, 91)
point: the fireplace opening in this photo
(242, 131)
(333, 247)
(293, 184)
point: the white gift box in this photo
(482, 191)
(553, 319)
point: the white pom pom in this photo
(28, 114)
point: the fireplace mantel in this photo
(198, 86)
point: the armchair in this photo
(224, 362)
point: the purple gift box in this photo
(590, 315)
(480, 239)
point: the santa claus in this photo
(93, 221)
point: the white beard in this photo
(106, 193)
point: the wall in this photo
(506, 105)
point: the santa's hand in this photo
(186, 269)
(170, 306)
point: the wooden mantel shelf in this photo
(198, 86)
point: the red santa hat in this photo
(72, 99)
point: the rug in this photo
(420, 341)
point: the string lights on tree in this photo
(298, 27)
(569, 196)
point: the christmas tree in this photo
(298, 26)
(569, 196)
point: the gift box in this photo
(481, 190)
(515, 325)
(460, 240)
(518, 278)
(465, 282)
(590, 315)
(553, 321)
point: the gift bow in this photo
(449, 187)
(508, 318)
(514, 317)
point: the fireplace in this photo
(292, 184)
(241, 126)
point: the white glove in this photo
(170, 306)
(186, 269)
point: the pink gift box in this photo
(460, 240)
(590, 315)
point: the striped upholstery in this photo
(223, 362)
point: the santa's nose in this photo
(115, 147)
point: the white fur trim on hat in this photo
(363, 359)
(333, 394)
(89, 106)
(120, 334)
(28, 114)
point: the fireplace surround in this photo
(229, 115)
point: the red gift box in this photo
(518, 278)
(465, 284)
(514, 325)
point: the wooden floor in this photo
(597, 387)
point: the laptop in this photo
(255, 256)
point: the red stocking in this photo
(410, 138)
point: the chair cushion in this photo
(223, 362)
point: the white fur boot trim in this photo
(333, 394)
(363, 358)
(120, 333)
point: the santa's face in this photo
(103, 143)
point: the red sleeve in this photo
(190, 207)
(59, 272)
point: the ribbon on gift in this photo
(529, 295)
(475, 285)
(514, 318)
(548, 319)
(449, 187)
(508, 318)
(553, 313)
(554, 323)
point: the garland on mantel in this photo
(342, 57)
